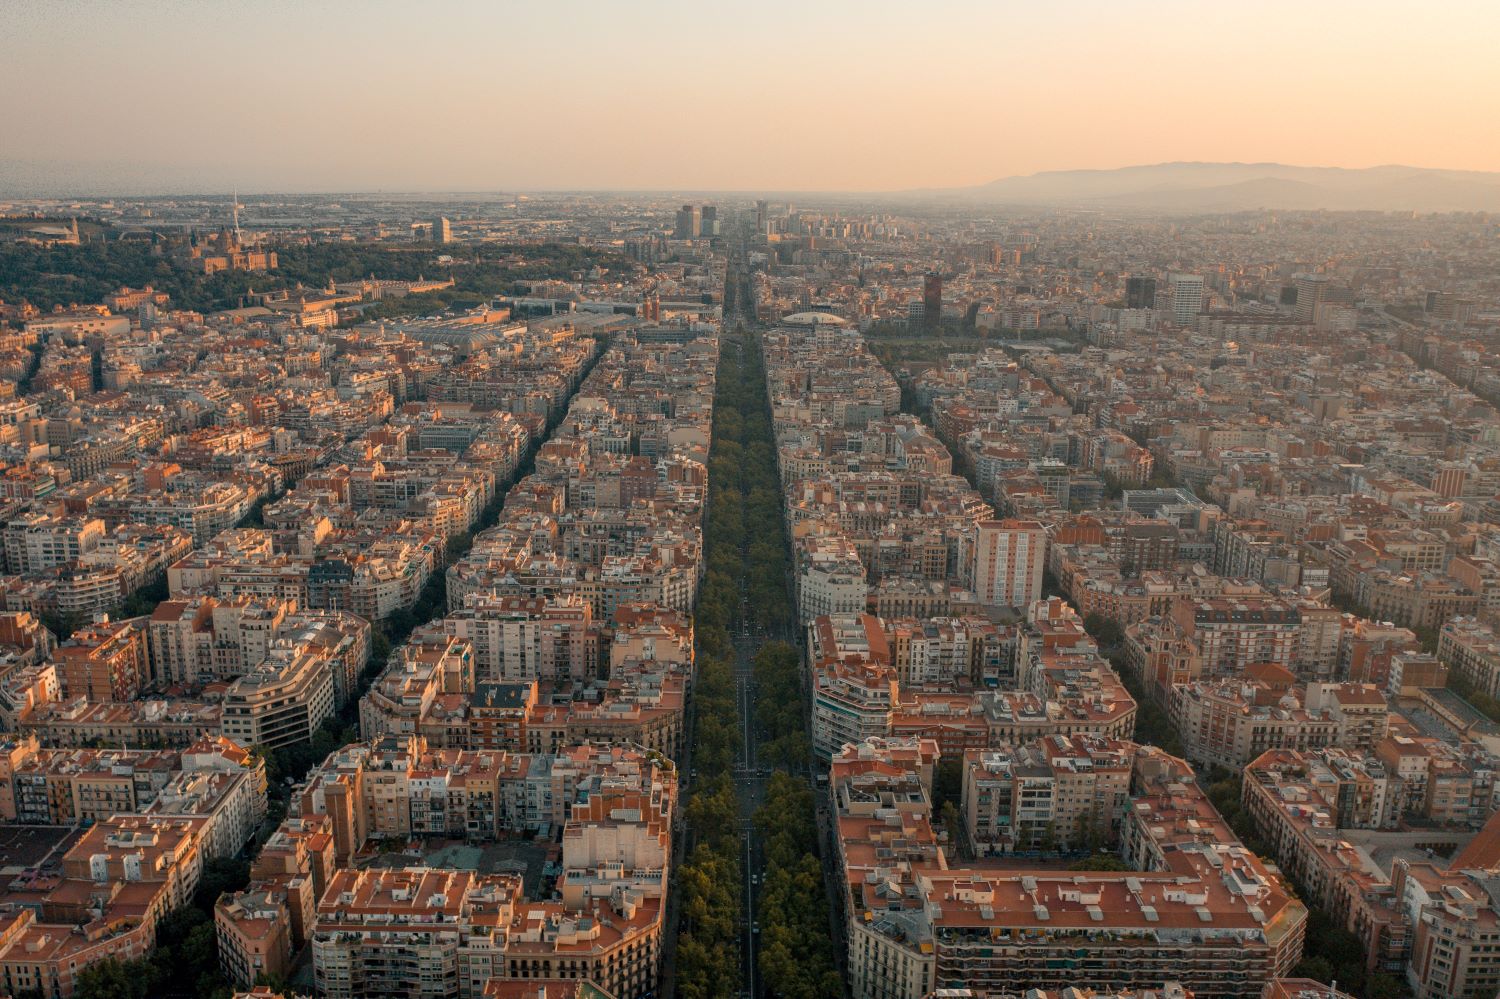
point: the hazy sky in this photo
(761, 95)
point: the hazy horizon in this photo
(165, 97)
(47, 177)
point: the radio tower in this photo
(236, 212)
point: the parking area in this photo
(536, 861)
(34, 848)
(1385, 856)
(1385, 846)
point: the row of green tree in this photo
(794, 948)
(779, 706)
(708, 960)
(743, 468)
(795, 956)
(1153, 726)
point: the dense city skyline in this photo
(583, 500)
(749, 596)
(165, 97)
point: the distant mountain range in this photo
(1225, 187)
(1186, 188)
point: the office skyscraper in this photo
(1187, 297)
(689, 222)
(1140, 293)
(932, 300)
(1312, 290)
(442, 230)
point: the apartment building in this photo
(1232, 633)
(38, 541)
(429, 666)
(830, 578)
(373, 929)
(205, 638)
(1228, 722)
(202, 508)
(941, 650)
(116, 884)
(1210, 916)
(853, 699)
(84, 723)
(1454, 919)
(105, 661)
(1066, 689)
(284, 699)
(254, 933)
(1360, 712)
(530, 638)
(1055, 793)
(65, 787)
(1301, 826)
(431, 688)
(1007, 560)
(230, 799)
(643, 705)
(74, 786)
(1471, 649)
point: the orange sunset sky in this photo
(329, 95)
